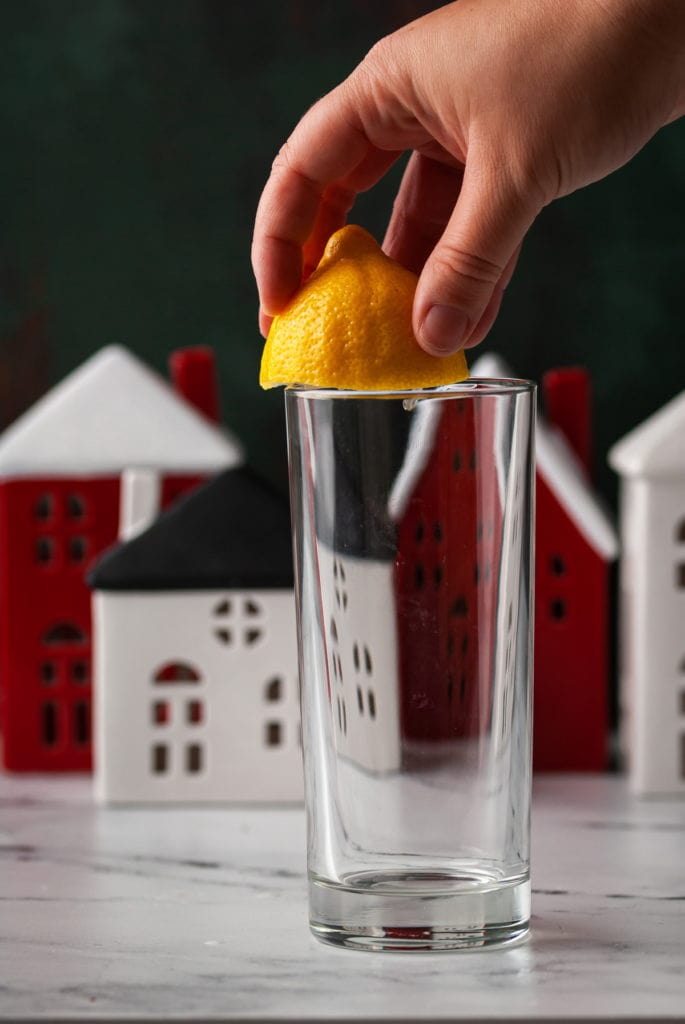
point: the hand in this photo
(506, 104)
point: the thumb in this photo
(467, 266)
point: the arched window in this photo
(64, 633)
(176, 672)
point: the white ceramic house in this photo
(196, 675)
(651, 462)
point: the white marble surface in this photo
(161, 914)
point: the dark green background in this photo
(135, 136)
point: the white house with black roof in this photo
(196, 677)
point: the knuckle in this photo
(452, 261)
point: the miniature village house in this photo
(575, 545)
(651, 462)
(196, 676)
(60, 467)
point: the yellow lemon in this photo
(349, 326)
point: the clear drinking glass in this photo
(412, 519)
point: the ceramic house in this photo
(651, 462)
(60, 468)
(447, 548)
(196, 658)
(575, 546)
(356, 553)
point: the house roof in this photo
(232, 532)
(562, 472)
(656, 448)
(111, 413)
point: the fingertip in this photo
(265, 322)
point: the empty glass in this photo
(412, 518)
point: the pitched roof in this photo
(232, 532)
(656, 448)
(111, 413)
(562, 472)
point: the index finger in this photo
(328, 159)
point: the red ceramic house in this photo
(575, 546)
(448, 540)
(60, 469)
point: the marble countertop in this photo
(199, 915)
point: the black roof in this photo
(232, 532)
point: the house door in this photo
(64, 674)
(178, 743)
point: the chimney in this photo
(139, 501)
(566, 393)
(193, 373)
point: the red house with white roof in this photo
(60, 468)
(575, 545)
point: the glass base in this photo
(419, 911)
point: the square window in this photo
(48, 673)
(274, 734)
(161, 712)
(160, 759)
(194, 712)
(43, 508)
(274, 689)
(76, 506)
(77, 549)
(45, 550)
(193, 758)
(79, 672)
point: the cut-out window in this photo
(335, 570)
(224, 636)
(334, 631)
(473, 460)
(360, 700)
(462, 687)
(437, 532)
(340, 671)
(355, 656)
(274, 689)
(81, 713)
(456, 462)
(419, 576)
(682, 702)
(476, 574)
(176, 672)
(367, 661)
(251, 608)
(372, 703)
(344, 600)
(49, 723)
(223, 608)
(342, 572)
(252, 636)
(76, 506)
(557, 565)
(342, 715)
(77, 549)
(194, 712)
(48, 673)
(557, 609)
(450, 644)
(680, 576)
(450, 687)
(64, 633)
(45, 550)
(161, 712)
(437, 575)
(79, 672)
(274, 734)
(419, 534)
(464, 643)
(160, 758)
(682, 755)
(680, 531)
(193, 758)
(43, 508)
(459, 607)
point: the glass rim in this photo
(473, 387)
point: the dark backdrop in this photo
(135, 137)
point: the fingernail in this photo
(443, 329)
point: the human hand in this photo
(506, 105)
